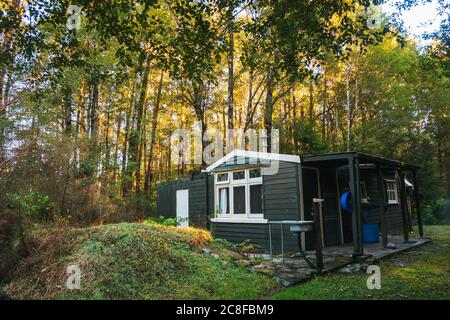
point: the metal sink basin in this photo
(299, 228)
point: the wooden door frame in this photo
(339, 206)
(302, 209)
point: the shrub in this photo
(12, 242)
(35, 205)
(197, 237)
(247, 247)
(164, 221)
(437, 212)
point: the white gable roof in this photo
(254, 154)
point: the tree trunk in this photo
(248, 116)
(230, 13)
(140, 110)
(116, 150)
(311, 102)
(295, 121)
(199, 105)
(93, 116)
(107, 141)
(268, 110)
(2, 118)
(93, 128)
(126, 183)
(324, 109)
(349, 109)
(135, 135)
(67, 109)
(363, 116)
(149, 176)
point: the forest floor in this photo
(420, 273)
(141, 261)
(134, 261)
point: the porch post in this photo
(382, 205)
(417, 201)
(353, 163)
(403, 206)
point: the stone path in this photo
(293, 269)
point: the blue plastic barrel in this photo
(370, 233)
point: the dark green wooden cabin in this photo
(238, 196)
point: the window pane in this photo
(224, 197)
(363, 190)
(239, 175)
(391, 186)
(239, 199)
(222, 177)
(255, 173)
(255, 198)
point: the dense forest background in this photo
(86, 113)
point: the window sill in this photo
(239, 220)
(391, 203)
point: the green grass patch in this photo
(420, 273)
(135, 261)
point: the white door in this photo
(183, 208)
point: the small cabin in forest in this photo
(241, 195)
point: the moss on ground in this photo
(420, 273)
(134, 261)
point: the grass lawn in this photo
(420, 273)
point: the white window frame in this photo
(217, 195)
(392, 191)
(216, 177)
(246, 182)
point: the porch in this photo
(378, 189)
(293, 269)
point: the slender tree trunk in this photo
(349, 109)
(134, 137)
(230, 13)
(93, 128)
(336, 134)
(248, 116)
(140, 111)
(295, 121)
(67, 127)
(2, 118)
(169, 164)
(268, 110)
(126, 184)
(324, 109)
(302, 112)
(149, 176)
(224, 126)
(93, 116)
(107, 140)
(67, 101)
(199, 105)
(311, 102)
(116, 147)
(357, 88)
